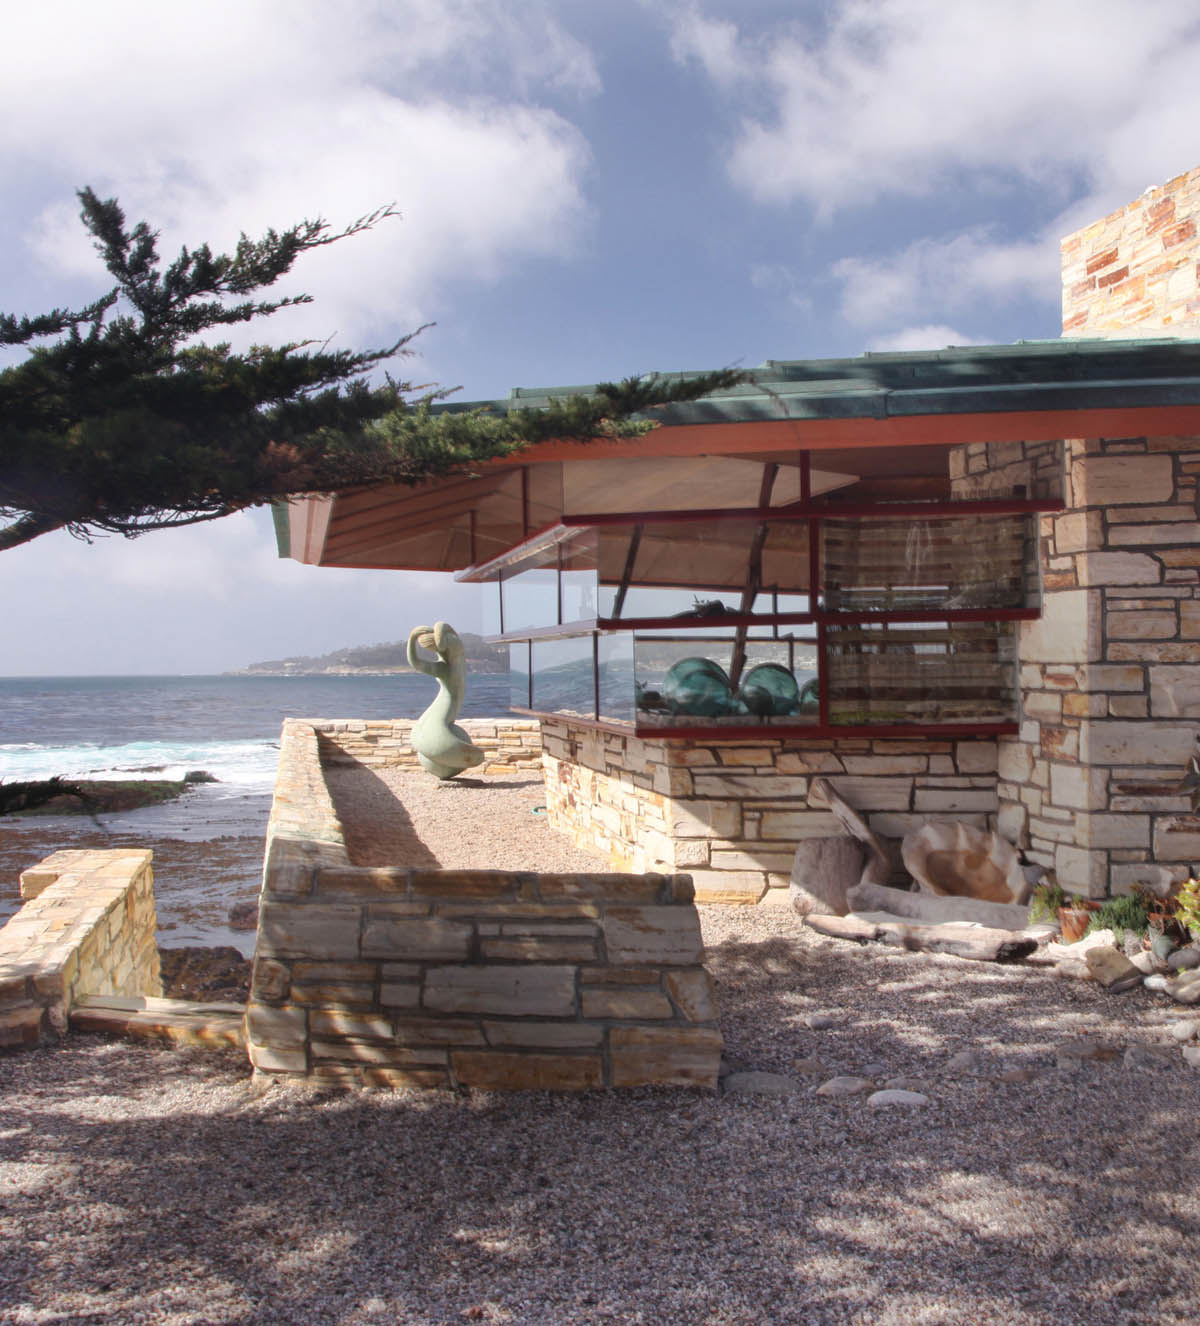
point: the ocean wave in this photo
(248, 765)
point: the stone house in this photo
(962, 583)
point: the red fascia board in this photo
(907, 430)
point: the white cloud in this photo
(945, 275)
(1061, 108)
(900, 97)
(930, 336)
(209, 119)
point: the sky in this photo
(587, 190)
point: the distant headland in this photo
(373, 661)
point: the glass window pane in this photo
(518, 675)
(490, 609)
(563, 676)
(898, 565)
(616, 675)
(940, 672)
(694, 680)
(530, 599)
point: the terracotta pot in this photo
(1073, 921)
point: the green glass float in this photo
(810, 698)
(769, 689)
(697, 686)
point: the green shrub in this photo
(1127, 912)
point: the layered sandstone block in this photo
(509, 744)
(87, 928)
(479, 978)
(732, 813)
(443, 978)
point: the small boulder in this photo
(1112, 970)
(1185, 988)
(1184, 959)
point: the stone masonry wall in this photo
(398, 977)
(1110, 676)
(731, 813)
(87, 928)
(1136, 272)
(510, 744)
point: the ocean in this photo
(208, 843)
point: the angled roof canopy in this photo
(880, 416)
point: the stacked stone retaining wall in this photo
(731, 813)
(87, 928)
(509, 745)
(399, 977)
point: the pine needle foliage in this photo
(120, 420)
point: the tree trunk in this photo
(27, 529)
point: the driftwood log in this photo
(978, 943)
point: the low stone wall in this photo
(87, 928)
(510, 744)
(731, 813)
(398, 977)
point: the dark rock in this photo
(244, 916)
(1183, 959)
(208, 975)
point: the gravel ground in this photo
(146, 1185)
(391, 816)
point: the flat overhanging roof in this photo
(1027, 391)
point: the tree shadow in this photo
(148, 1183)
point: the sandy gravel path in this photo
(149, 1186)
(141, 1185)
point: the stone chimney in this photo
(1137, 272)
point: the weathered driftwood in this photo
(978, 943)
(934, 910)
(843, 927)
(947, 857)
(877, 868)
(823, 871)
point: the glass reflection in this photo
(563, 676)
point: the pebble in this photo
(810, 1067)
(972, 1062)
(819, 1021)
(845, 1086)
(906, 1083)
(1191, 1055)
(1086, 1047)
(1148, 1056)
(873, 1070)
(896, 1096)
(760, 1084)
(1018, 1075)
(1184, 1030)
